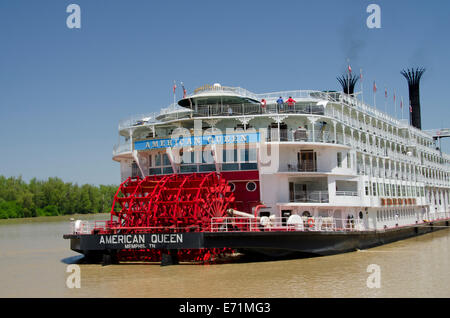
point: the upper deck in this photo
(330, 118)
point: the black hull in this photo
(274, 244)
(281, 244)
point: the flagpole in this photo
(401, 107)
(174, 88)
(385, 99)
(362, 91)
(348, 76)
(395, 107)
(374, 94)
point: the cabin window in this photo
(251, 186)
(339, 159)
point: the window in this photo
(251, 186)
(229, 155)
(349, 160)
(339, 159)
(157, 160)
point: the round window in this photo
(306, 214)
(232, 186)
(251, 186)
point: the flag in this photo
(401, 103)
(374, 87)
(360, 75)
(174, 86)
(385, 92)
(410, 108)
(349, 69)
(394, 97)
(184, 90)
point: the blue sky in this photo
(63, 91)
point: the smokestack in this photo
(348, 83)
(413, 77)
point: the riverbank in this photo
(58, 218)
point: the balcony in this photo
(310, 197)
(258, 109)
(122, 149)
(303, 135)
(302, 166)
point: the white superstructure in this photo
(336, 157)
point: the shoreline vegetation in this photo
(52, 197)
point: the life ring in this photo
(310, 222)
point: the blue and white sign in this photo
(243, 138)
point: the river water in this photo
(34, 258)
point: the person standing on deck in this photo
(290, 102)
(263, 105)
(280, 103)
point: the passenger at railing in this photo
(230, 111)
(280, 103)
(291, 102)
(263, 105)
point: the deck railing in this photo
(310, 196)
(266, 224)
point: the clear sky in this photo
(63, 91)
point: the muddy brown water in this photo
(34, 258)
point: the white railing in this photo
(138, 120)
(347, 193)
(310, 196)
(82, 227)
(122, 148)
(293, 223)
(87, 227)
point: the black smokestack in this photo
(413, 76)
(348, 83)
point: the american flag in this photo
(360, 75)
(174, 86)
(349, 69)
(374, 87)
(385, 92)
(401, 103)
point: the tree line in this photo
(19, 199)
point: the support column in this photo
(313, 120)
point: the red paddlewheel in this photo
(170, 203)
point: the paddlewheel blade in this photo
(168, 204)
